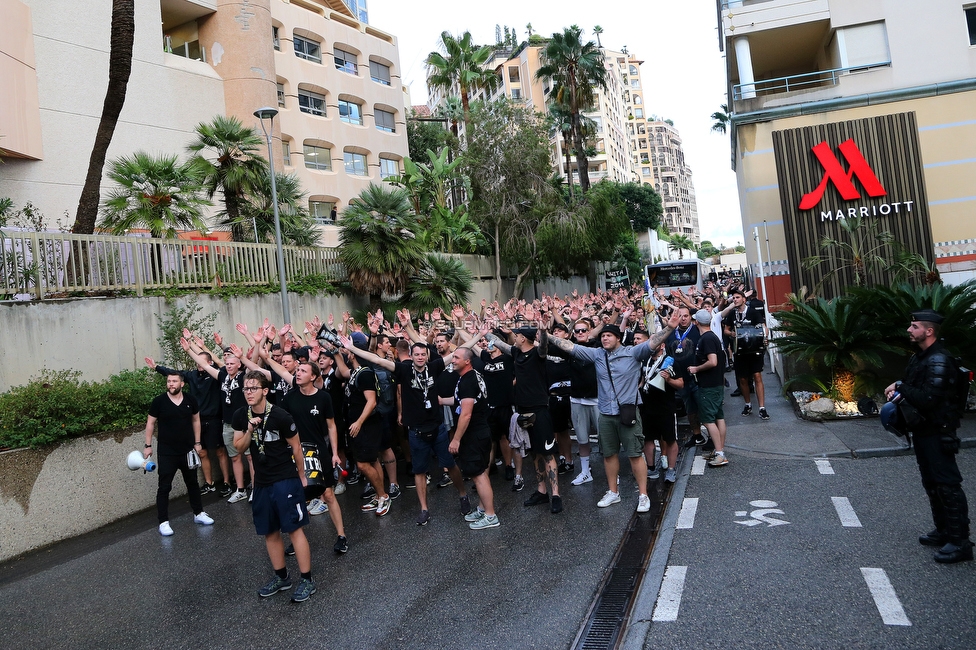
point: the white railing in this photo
(43, 264)
(799, 81)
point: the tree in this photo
(576, 69)
(509, 155)
(159, 194)
(707, 250)
(462, 63)
(378, 242)
(236, 166)
(721, 119)
(528, 29)
(297, 226)
(423, 134)
(596, 32)
(681, 243)
(643, 204)
(440, 282)
(119, 69)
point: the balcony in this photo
(745, 17)
(805, 81)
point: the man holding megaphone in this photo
(178, 439)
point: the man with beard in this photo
(178, 418)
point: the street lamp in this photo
(269, 113)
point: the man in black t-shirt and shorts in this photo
(709, 373)
(748, 363)
(278, 505)
(178, 418)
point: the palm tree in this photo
(160, 194)
(378, 242)
(453, 111)
(596, 32)
(441, 282)
(297, 226)
(528, 28)
(462, 63)
(721, 118)
(681, 243)
(119, 68)
(234, 165)
(576, 69)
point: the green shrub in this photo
(58, 405)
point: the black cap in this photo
(929, 315)
(612, 329)
(560, 326)
(527, 332)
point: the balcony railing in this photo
(40, 264)
(798, 81)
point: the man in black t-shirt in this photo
(472, 438)
(711, 385)
(748, 363)
(657, 408)
(312, 411)
(279, 483)
(178, 418)
(560, 387)
(498, 371)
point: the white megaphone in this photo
(136, 461)
(658, 382)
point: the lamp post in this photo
(261, 114)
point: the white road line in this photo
(848, 518)
(686, 518)
(669, 598)
(698, 466)
(885, 597)
(823, 466)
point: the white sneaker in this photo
(320, 508)
(165, 529)
(584, 477)
(340, 488)
(643, 503)
(608, 499)
(203, 519)
(237, 495)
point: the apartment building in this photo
(852, 108)
(334, 79)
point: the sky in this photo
(683, 71)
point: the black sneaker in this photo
(225, 490)
(290, 551)
(763, 415)
(565, 468)
(509, 473)
(207, 488)
(341, 545)
(736, 393)
(445, 480)
(747, 409)
(465, 505)
(368, 492)
(557, 505)
(353, 477)
(537, 499)
(394, 490)
(410, 482)
(518, 484)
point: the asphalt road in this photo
(767, 561)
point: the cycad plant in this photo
(441, 282)
(835, 335)
(378, 242)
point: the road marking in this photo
(669, 598)
(698, 466)
(686, 518)
(823, 466)
(885, 597)
(848, 518)
(759, 516)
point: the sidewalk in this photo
(786, 434)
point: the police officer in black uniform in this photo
(930, 409)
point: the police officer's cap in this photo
(928, 315)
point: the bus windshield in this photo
(673, 274)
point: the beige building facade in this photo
(334, 80)
(882, 94)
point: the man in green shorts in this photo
(711, 387)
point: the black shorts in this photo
(389, 422)
(499, 421)
(560, 412)
(658, 425)
(366, 445)
(475, 452)
(342, 432)
(747, 364)
(279, 506)
(211, 433)
(541, 435)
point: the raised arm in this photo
(199, 359)
(367, 356)
(500, 344)
(277, 367)
(661, 335)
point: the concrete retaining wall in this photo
(47, 495)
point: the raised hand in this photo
(236, 351)
(242, 328)
(149, 362)
(184, 344)
(187, 334)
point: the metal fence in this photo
(38, 265)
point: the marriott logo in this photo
(843, 180)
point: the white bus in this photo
(677, 274)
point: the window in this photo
(513, 74)
(639, 113)
(633, 70)
(355, 163)
(861, 45)
(971, 23)
(309, 102)
(281, 95)
(388, 167)
(319, 158)
(345, 61)
(646, 171)
(350, 112)
(516, 93)
(379, 73)
(286, 152)
(637, 99)
(306, 48)
(274, 38)
(384, 121)
(322, 211)
(635, 83)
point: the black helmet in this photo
(891, 419)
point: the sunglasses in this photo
(581, 331)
